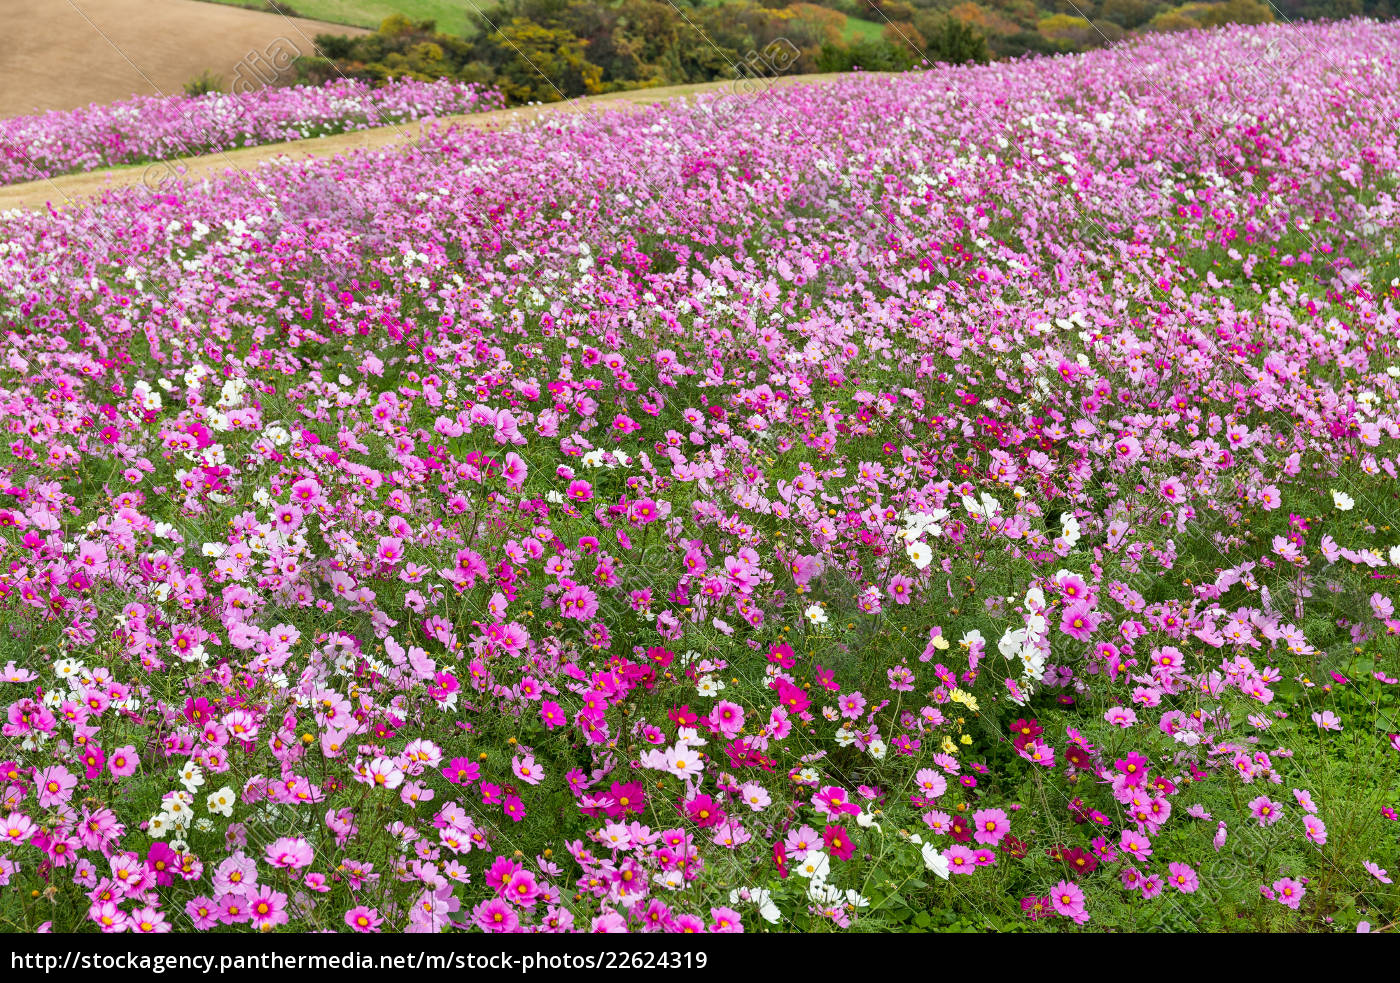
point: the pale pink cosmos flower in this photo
(526, 769)
(1327, 720)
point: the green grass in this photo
(452, 16)
(861, 30)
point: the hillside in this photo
(62, 54)
(70, 190)
(589, 46)
(953, 501)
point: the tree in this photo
(1129, 14)
(542, 64)
(1068, 31)
(957, 43)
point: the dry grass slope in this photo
(61, 54)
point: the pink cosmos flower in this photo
(494, 915)
(1289, 892)
(930, 783)
(1135, 845)
(990, 826)
(148, 921)
(1121, 717)
(287, 851)
(1265, 810)
(1036, 908)
(526, 769)
(725, 920)
(54, 785)
(960, 859)
(202, 913)
(267, 908)
(1068, 900)
(1377, 871)
(1327, 720)
(1183, 878)
(1038, 752)
(363, 919)
(521, 889)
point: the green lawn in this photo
(861, 30)
(452, 16)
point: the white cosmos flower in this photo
(918, 523)
(689, 735)
(1069, 530)
(672, 879)
(758, 896)
(221, 802)
(934, 860)
(816, 614)
(191, 776)
(709, 686)
(823, 895)
(1342, 500)
(816, 865)
(987, 507)
(919, 554)
(1012, 641)
(683, 762)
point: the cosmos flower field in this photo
(956, 501)
(157, 128)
